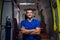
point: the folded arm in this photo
(23, 30)
(33, 31)
(36, 31)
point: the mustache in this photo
(29, 15)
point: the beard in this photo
(29, 17)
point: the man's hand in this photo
(37, 31)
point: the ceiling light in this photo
(26, 3)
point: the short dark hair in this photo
(29, 9)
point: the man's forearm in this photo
(35, 33)
(31, 32)
(28, 31)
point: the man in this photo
(30, 27)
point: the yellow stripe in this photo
(54, 16)
(58, 6)
(59, 36)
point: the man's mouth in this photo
(29, 16)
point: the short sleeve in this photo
(38, 24)
(21, 24)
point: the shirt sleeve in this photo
(21, 24)
(38, 24)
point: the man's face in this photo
(29, 13)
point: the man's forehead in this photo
(29, 10)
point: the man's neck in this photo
(30, 19)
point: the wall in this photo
(7, 11)
(45, 5)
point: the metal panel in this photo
(7, 11)
(7, 0)
(58, 6)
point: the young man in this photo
(30, 27)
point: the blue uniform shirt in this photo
(30, 25)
